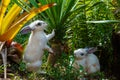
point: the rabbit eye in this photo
(39, 24)
(82, 54)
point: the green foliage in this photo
(1, 69)
(82, 34)
(80, 24)
(22, 39)
(93, 27)
(22, 66)
(34, 3)
(23, 5)
(64, 70)
(58, 17)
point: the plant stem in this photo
(4, 56)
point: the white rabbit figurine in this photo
(86, 58)
(36, 45)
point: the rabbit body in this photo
(36, 45)
(88, 61)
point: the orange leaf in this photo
(11, 33)
(17, 46)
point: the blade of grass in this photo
(34, 3)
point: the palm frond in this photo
(3, 7)
(10, 33)
(34, 3)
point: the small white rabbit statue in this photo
(36, 45)
(86, 58)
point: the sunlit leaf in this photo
(3, 8)
(11, 15)
(9, 35)
(42, 8)
(23, 5)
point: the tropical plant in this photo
(12, 20)
(73, 17)
(58, 19)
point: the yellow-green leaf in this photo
(9, 35)
(3, 7)
(11, 15)
(36, 11)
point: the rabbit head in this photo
(83, 52)
(37, 25)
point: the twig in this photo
(4, 56)
(1, 46)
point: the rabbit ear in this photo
(91, 50)
(25, 30)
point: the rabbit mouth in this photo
(78, 58)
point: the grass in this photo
(63, 69)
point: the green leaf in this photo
(21, 5)
(95, 4)
(34, 3)
(104, 21)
